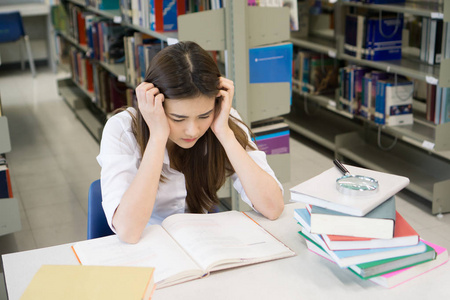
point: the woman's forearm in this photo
(261, 188)
(137, 203)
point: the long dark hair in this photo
(180, 71)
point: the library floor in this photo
(53, 162)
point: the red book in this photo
(89, 76)
(81, 28)
(159, 17)
(404, 235)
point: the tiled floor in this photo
(52, 164)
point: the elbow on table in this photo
(274, 210)
(128, 236)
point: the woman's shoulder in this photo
(122, 118)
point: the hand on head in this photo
(150, 103)
(226, 92)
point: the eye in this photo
(178, 120)
(204, 117)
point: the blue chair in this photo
(97, 225)
(12, 30)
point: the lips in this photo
(189, 140)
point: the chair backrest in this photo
(97, 225)
(11, 27)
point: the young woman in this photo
(175, 152)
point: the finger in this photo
(159, 99)
(151, 93)
(144, 86)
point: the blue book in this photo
(346, 258)
(380, 102)
(445, 107)
(271, 63)
(440, 94)
(109, 4)
(386, 41)
(366, 95)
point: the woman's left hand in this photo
(220, 124)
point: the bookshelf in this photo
(9, 207)
(420, 151)
(232, 29)
(236, 28)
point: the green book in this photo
(379, 267)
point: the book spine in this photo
(423, 39)
(432, 42)
(438, 46)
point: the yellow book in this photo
(90, 282)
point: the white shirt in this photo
(120, 158)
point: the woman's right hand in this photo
(150, 105)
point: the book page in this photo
(155, 249)
(223, 240)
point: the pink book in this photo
(398, 277)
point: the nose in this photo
(191, 129)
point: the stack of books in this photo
(363, 233)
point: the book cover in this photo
(165, 15)
(398, 102)
(271, 63)
(396, 278)
(346, 258)
(386, 41)
(378, 223)
(323, 74)
(404, 235)
(273, 138)
(321, 191)
(90, 282)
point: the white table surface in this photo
(304, 276)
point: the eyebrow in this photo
(184, 117)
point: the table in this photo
(304, 276)
(36, 10)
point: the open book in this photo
(188, 246)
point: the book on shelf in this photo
(346, 258)
(188, 246)
(272, 63)
(5, 182)
(321, 191)
(55, 282)
(272, 138)
(398, 277)
(164, 13)
(385, 37)
(432, 44)
(107, 4)
(404, 235)
(393, 103)
(323, 74)
(378, 223)
(355, 35)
